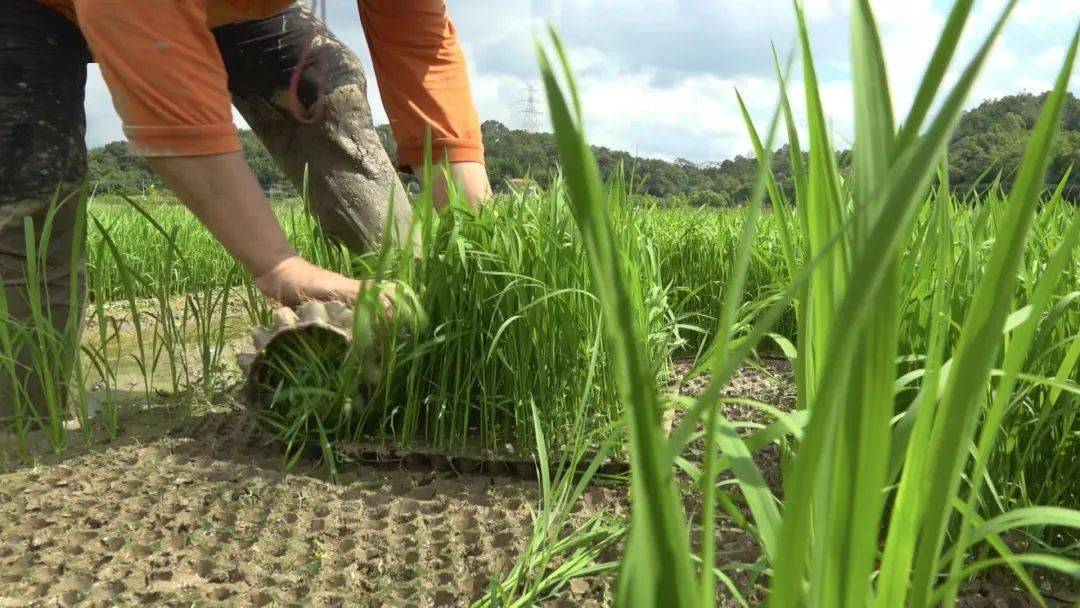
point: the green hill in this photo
(993, 136)
(989, 140)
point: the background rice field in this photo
(512, 324)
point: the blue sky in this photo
(658, 76)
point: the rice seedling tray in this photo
(466, 459)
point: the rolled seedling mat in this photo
(298, 345)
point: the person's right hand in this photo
(470, 180)
(295, 280)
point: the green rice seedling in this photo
(554, 556)
(165, 331)
(129, 284)
(210, 311)
(1031, 458)
(691, 245)
(54, 348)
(48, 346)
(510, 322)
(312, 382)
(11, 340)
(825, 497)
(535, 574)
(182, 313)
(304, 386)
(990, 311)
(834, 511)
(665, 573)
(143, 232)
(98, 353)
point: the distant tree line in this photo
(991, 138)
(113, 168)
(989, 141)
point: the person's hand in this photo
(295, 280)
(470, 180)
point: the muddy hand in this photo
(295, 280)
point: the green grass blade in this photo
(980, 340)
(658, 516)
(994, 305)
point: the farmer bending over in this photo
(173, 67)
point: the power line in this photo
(529, 108)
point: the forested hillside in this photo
(993, 135)
(989, 140)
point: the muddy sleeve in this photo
(165, 73)
(423, 79)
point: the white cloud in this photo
(657, 76)
(102, 124)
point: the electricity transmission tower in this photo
(529, 108)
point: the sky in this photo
(658, 77)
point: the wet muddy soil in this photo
(197, 511)
(189, 506)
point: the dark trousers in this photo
(43, 59)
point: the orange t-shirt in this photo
(169, 85)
